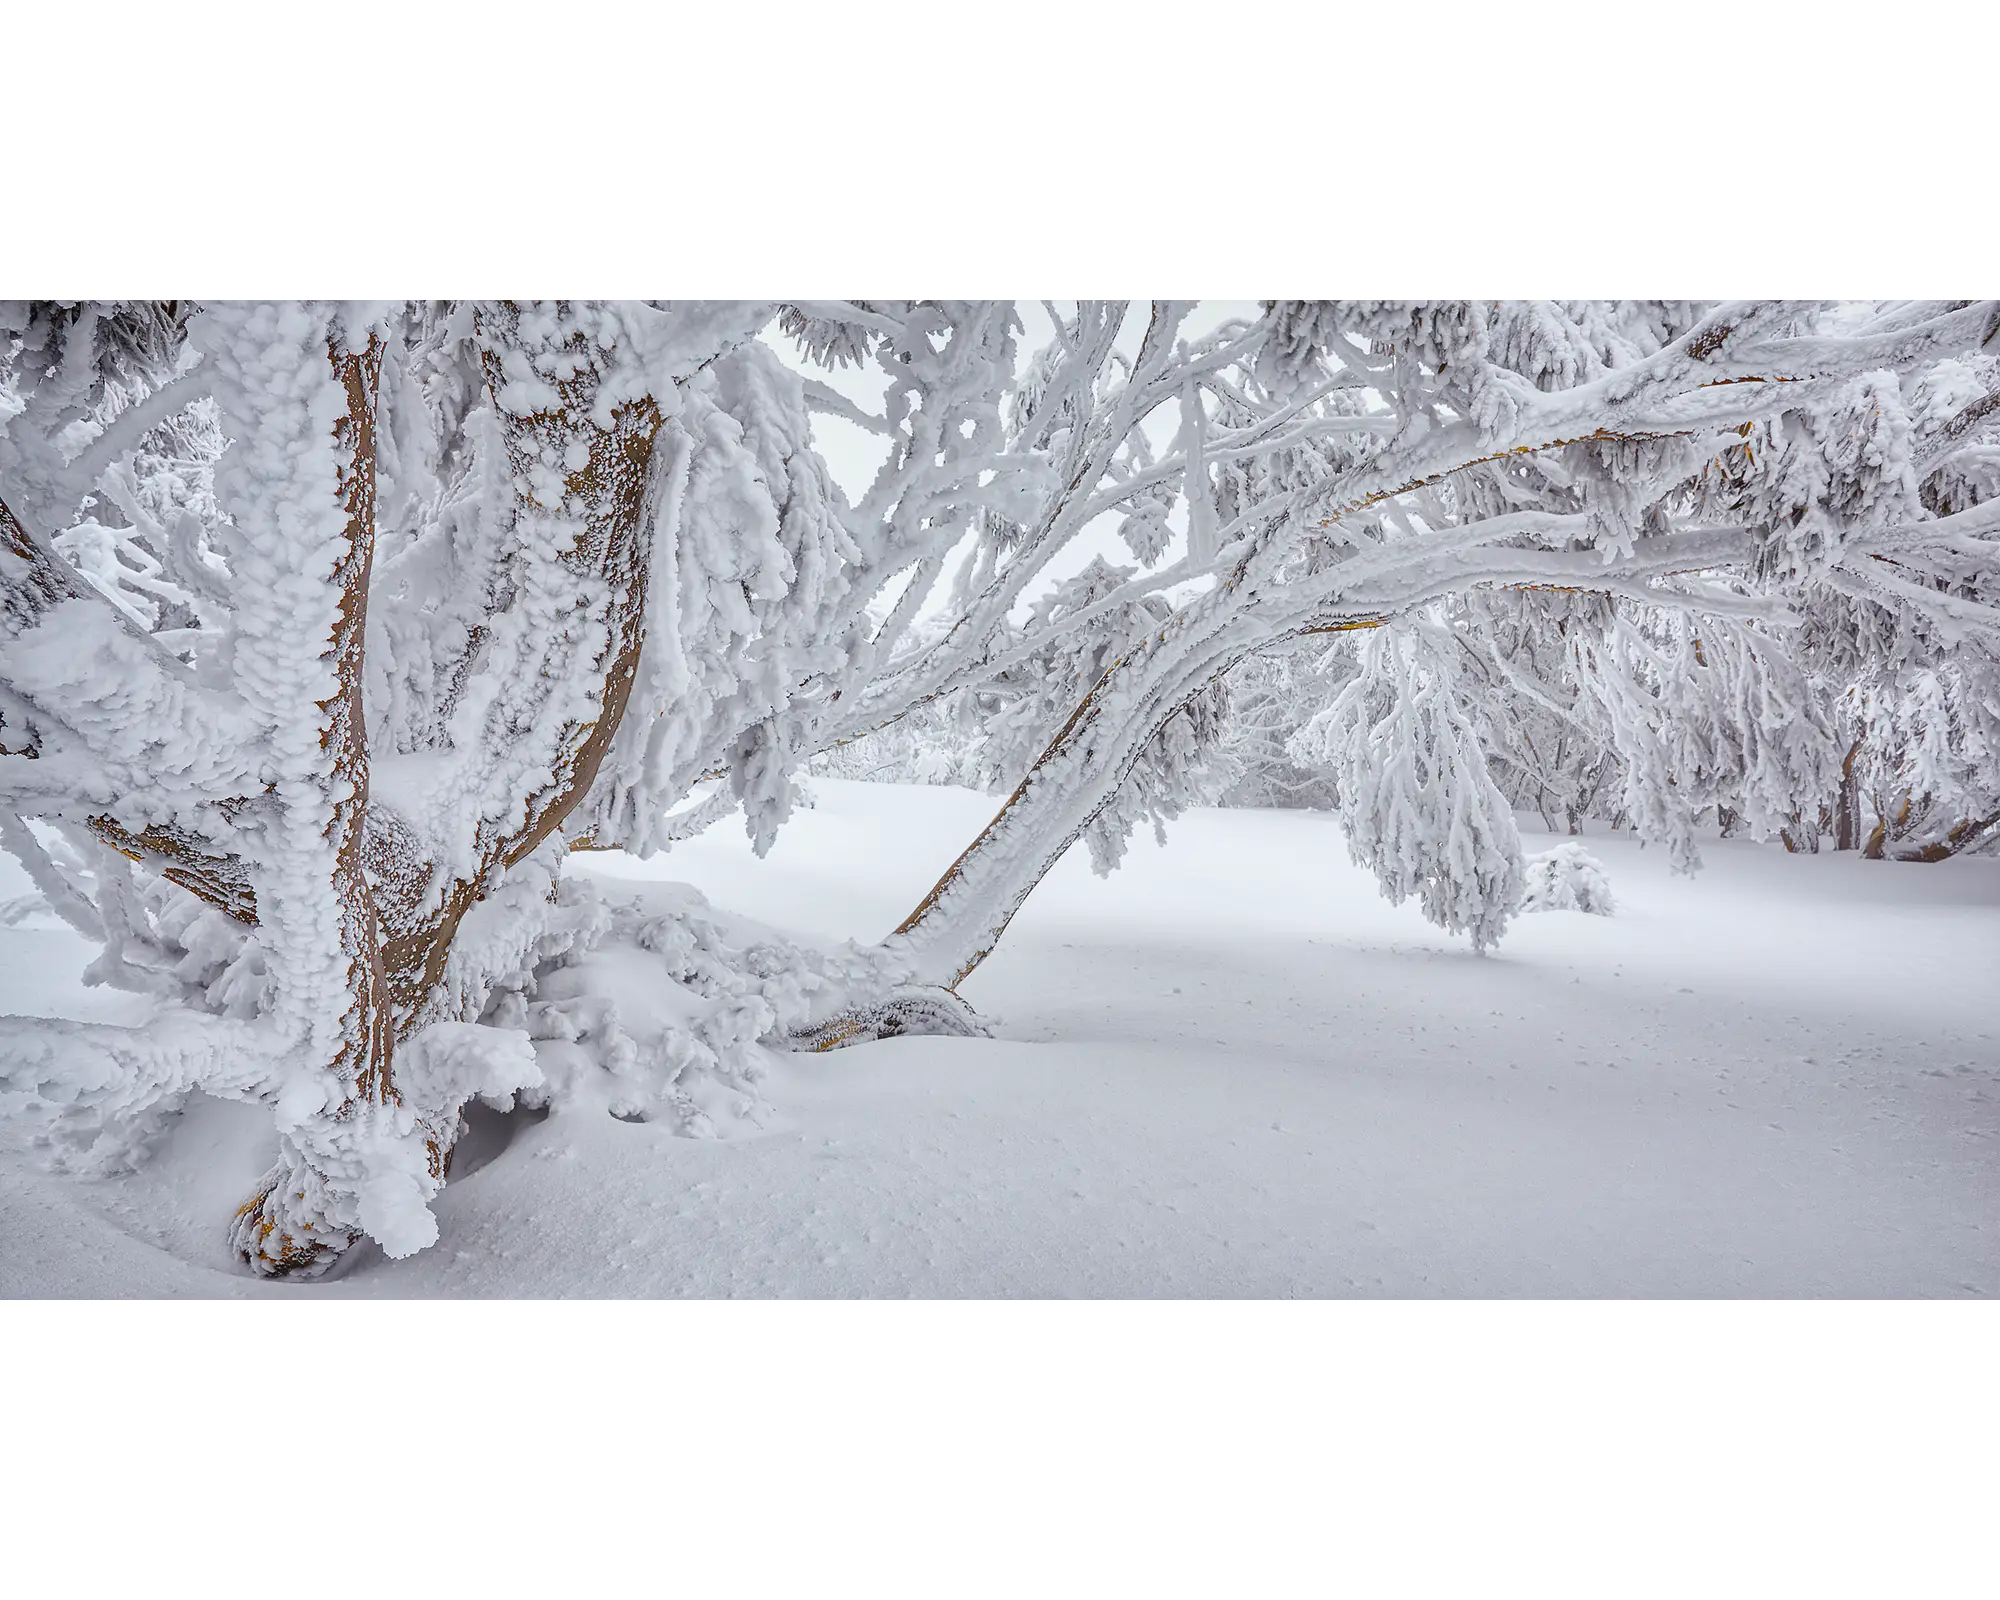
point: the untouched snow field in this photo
(1230, 1069)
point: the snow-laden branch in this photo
(123, 433)
(1954, 616)
(63, 897)
(831, 402)
(114, 722)
(87, 1085)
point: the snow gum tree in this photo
(328, 631)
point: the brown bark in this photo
(185, 858)
(1960, 836)
(396, 949)
(1074, 730)
(1847, 807)
(1079, 723)
(1886, 829)
(346, 736)
(41, 582)
(1910, 819)
(1077, 730)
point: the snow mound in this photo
(1567, 878)
(660, 1008)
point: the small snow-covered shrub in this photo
(1567, 878)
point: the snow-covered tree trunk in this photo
(579, 467)
(250, 782)
(1078, 775)
(579, 489)
(1847, 805)
(329, 928)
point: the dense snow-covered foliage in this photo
(1416, 801)
(721, 993)
(328, 630)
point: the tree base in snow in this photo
(915, 1010)
(267, 1238)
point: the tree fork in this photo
(411, 946)
(612, 479)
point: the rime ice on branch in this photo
(327, 631)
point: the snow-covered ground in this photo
(1229, 1069)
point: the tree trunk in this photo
(1887, 827)
(282, 1227)
(399, 923)
(957, 924)
(1847, 808)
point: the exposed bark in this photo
(1968, 834)
(957, 924)
(1878, 836)
(1847, 807)
(915, 1010)
(1803, 834)
(397, 923)
(402, 907)
(185, 858)
(37, 581)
